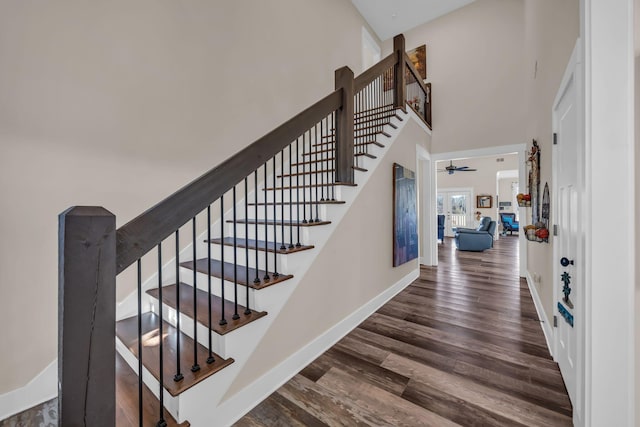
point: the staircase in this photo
(228, 250)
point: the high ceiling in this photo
(391, 17)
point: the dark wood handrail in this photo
(144, 232)
(373, 72)
(415, 73)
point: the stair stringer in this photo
(222, 407)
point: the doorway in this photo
(455, 205)
(568, 258)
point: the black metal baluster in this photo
(322, 159)
(266, 226)
(316, 174)
(195, 367)
(140, 382)
(247, 310)
(298, 190)
(282, 245)
(357, 121)
(327, 161)
(161, 421)
(304, 178)
(178, 376)
(210, 359)
(379, 100)
(223, 320)
(291, 195)
(255, 198)
(275, 223)
(333, 162)
(365, 147)
(235, 316)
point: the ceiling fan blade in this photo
(466, 169)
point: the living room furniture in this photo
(509, 223)
(441, 228)
(477, 240)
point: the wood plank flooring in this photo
(462, 345)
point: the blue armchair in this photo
(509, 223)
(441, 228)
(477, 240)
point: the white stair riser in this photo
(286, 262)
(220, 344)
(257, 298)
(302, 195)
(306, 232)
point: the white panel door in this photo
(569, 285)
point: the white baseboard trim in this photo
(547, 328)
(239, 404)
(40, 389)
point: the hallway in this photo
(460, 345)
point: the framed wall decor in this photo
(534, 181)
(419, 58)
(405, 215)
(484, 202)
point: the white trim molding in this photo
(242, 402)
(547, 327)
(40, 389)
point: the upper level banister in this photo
(144, 232)
(371, 73)
(415, 72)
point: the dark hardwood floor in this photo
(461, 345)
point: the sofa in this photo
(476, 240)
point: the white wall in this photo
(355, 266)
(475, 62)
(121, 103)
(552, 28)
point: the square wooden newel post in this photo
(344, 126)
(400, 71)
(86, 316)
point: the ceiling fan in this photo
(451, 169)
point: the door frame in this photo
(610, 339)
(460, 190)
(484, 152)
(574, 72)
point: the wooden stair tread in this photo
(310, 162)
(378, 116)
(322, 202)
(357, 144)
(371, 156)
(325, 184)
(127, 331)
(186, 307)
(260, 245)
(386, 107)
(127, 400)
(362, 135)
(311, 153)
(216, 271)
(289, 175)
(358, 127)
(286, 222)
